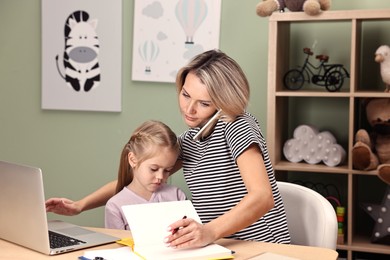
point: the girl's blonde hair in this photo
(226, 83)
(144, 143)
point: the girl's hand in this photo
(63, 206)
(190, 234)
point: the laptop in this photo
(23, 218)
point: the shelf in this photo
(342, 94)
(344, 15)
(304, 167)
(363, 244)
(373, 173)
(368, 94)
(313, 93)
(337, 111)
(319, 168)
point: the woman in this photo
(226, 166)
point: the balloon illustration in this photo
(191, 14)
(148, 51)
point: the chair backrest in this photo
(311, 218)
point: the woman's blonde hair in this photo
(226, 83)
(144, 143)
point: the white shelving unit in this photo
(279, 130)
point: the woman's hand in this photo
(63, 206)
(190, 234)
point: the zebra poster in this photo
(81, 55)
(167, 34)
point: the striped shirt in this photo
(213, 177)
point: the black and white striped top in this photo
(212, 175)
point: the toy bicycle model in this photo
(329, 75)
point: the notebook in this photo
(149, 222)
(23, 218)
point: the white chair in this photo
(311, 219)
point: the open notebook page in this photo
(149, 223)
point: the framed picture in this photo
(81, 55)
(168, 33)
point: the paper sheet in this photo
(149, 223)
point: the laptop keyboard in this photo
(59, 240)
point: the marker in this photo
(177, 229)
(96, 258)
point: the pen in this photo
(96, 258)
(177, 229)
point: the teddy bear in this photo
(371, 151)
(310, 7)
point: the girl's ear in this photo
(132, 159)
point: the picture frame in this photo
(82, 55)
(168, 34)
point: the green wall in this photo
(79, 151)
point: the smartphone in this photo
(212, 121)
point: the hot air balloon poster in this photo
(81, 55)
(169, 33)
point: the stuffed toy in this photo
(372, 150)
(310, 7)
(382, 56)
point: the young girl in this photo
(145, 165)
